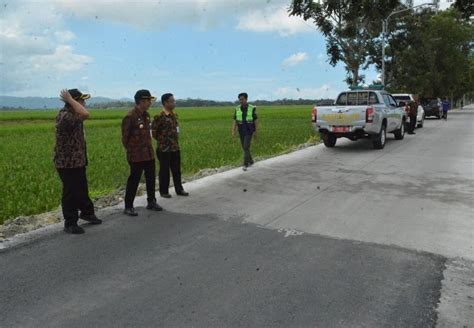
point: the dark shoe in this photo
(75, 230)
(154, 206)
(92, 219)
(165, 195)
(182, 193)
(130, 211)
(244, 168)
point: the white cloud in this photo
(33, 46)
(325, 91)
(64, 36)
(273, 19)
(62, 61)
(252, 15)
(29, 72)
(153, 14)
(295, 59)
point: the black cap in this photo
(77, 95)
(144, 94)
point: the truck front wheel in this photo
(400, 133)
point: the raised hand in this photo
(66, 96)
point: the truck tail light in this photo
(369, 115)
(314, 115)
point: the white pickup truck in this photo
(405, 98)
(364, 113)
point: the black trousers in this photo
(412, 124)
(245, 141)
(170, 160)
(445, 115)
(136, 170)
(75, 195)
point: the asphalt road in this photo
(343, 237)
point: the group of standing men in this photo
(137, 133)
(70, 154)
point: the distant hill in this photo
(45, 103)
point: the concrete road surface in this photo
(342, 237)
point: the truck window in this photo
(429, 101)
(392, 100)
(362, 98)
(352, 99)
(357, 98)
(342, 99)
(389, 101)
(403, 98)
(373, 99)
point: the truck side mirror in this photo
(402, 104)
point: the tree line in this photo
(189, 102)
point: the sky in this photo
(208, 49)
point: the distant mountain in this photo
(46, 103)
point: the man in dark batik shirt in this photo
(136, 138)
(70, 160)
(165, 130)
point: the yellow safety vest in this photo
(239, 114)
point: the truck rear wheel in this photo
(378, 141)
(329, 139)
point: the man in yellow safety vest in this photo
(245, 120)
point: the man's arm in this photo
(234, 128)
(80, 110)
(155, 127)
(234, 125)
(255, 122)
(125, 130)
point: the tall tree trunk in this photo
(355, 76)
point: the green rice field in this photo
(30, 183)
